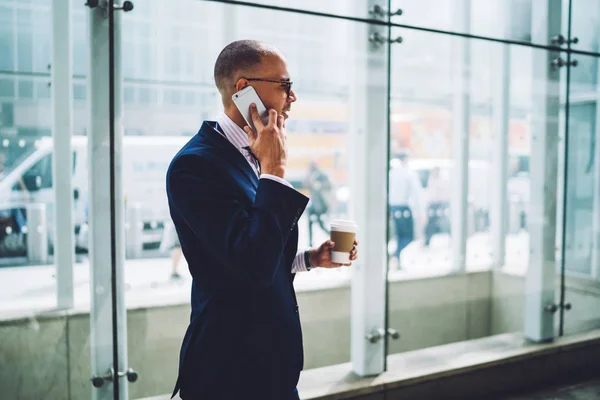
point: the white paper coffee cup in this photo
(343, 233)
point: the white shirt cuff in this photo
(299, 265)
(276, 179)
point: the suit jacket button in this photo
(296, 308)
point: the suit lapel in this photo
(212, 132)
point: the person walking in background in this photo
(319, 185)
(170, 242)
(438, 200)
(405, 201)
(176, 254)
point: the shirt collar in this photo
(233, 132)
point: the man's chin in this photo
(285, 115)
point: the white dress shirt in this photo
(239, 139)
(438, 190)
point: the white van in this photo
(145, 163)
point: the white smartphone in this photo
(243, 99)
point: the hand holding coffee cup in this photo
(343, 235)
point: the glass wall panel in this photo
(25, 134)
(447, 90)
(35, 341)
(165, 105)
(26, 200)
(582, 201)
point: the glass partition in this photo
(26, 181)
(165, 105)
(458, 106)
(580, 300)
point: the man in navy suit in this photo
(236, 218)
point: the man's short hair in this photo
(239, 56)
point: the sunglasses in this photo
(286, 84)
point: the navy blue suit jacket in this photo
(239, 236)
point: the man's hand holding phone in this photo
(269, 142)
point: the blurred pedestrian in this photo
(405, 200)
(319, 185)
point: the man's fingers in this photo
(280, 121)
(251, 135)
(258, 124)
(272, 118)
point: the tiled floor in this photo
(583, 391)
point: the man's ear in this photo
(240, 84)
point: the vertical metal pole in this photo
(368, 149)
(596, 204)
(540, 278)
(134, 235)
(565, 180)
(37, 233)
(500, 126)
(62, 156)
(596, 200)
(461, 115)
(107, 258)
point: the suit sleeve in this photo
(249, 242)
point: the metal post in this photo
(540, 278)
(596, 209)
(368, 149)
(461, 115)
(62, 156)
(37, 233)
(500, 123)
(134, 230)
(596, 199)
(103, 299)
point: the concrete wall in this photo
(507, 310)
(439, 310)
(507, 303)
(49, 356)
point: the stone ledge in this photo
(477, 367)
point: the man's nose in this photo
(292, 97)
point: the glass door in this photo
(579, 304)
